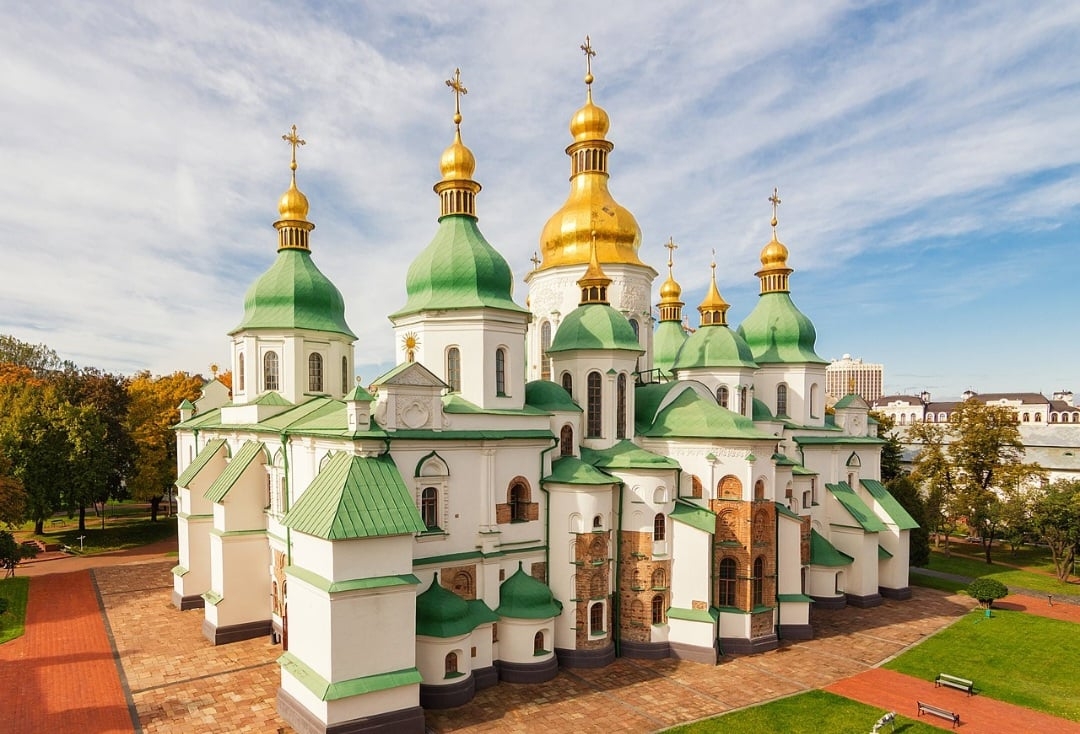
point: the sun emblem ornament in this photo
(409, 342)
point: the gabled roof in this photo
(355, 497)
(572, 470)
(210, 417)
(546, 395)
(410, 373)
(782, 509)
(270, 398)
(236, 466)
(694, 515)
(856, 507)
(851, 400)
(199, 462)
(823, 553)
(359, 395)
(626, 455)
(900, 517)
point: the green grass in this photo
(1015, 657)
(933, 582)
(13, 620)
(120, 533)
(965, 563)
(813, 712)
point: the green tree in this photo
(987, 590)
(12, 495)
(34, 439)
(974, 465)
(38, 358)
(12, 553)
(152, 413)
(907, 494)
(892, 452)
(1055, 518)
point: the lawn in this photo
(1015, 657)
(967, 560)
(933, 582)
(11, 621)
(813, 712)
(124, 530)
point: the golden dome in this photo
(293, 205)
(774, 255)
(713, 308)
(457, 162)
(590, 122)
(670, 290)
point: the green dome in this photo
(442, 613)
(595, 326)
(294, 294)
(690, 415)
(459, 269)
(667, 341)
(546, 395)
(714, 346)
(523, 597)
(761, 411)
(777, 331)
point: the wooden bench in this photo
(962, 684)
(929, 708)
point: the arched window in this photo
(500, 371)
(696, 490)
(518, 498)
(929, 418)
(463, 585)
(1038, 417)
(240, 372)
(659, 531)
(345, 381)
(270, 372)
(722, 396)
(1027, 417)
(538, 644)
(903, 419)
(759, 581)
(743, 407)
(759, 489)
(726, 595)
(566, 440)
(314, 372)
(620, 406)
(594, 405)
(636, 328)
(429, 507)
(813, 401)
(568, 383)
(451, 664)
(453, 369)
(658, 609)
(659, 579)
(545, 342)
(598, 522)
(781, 400)
(596, 619)
(1053, 416)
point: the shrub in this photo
(986, 590)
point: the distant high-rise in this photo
(847, 375)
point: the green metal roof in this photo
(359, 395)
(548, 396)
(761, 411)
(294, 294)
(627, 455)
(186, 404)
(712, 346)
(595, 326)
(782, 460)
(782, 509)
(850, 400)
(778, 332)
(355, 497)
(883, 554)
(271, 398)
(837, 439)
(692, 416)
(823, 553)
(667, 340)
(572, 470)
(454, 403)
(693, 515)
(523, 597)
(802, 471)
(856, 507)
(458, 270)
(442, 613)
(233, 470)
(201, 460)
(900, 517)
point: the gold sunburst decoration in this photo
(409, 342)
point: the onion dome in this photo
(294, 293)
(523, 597)
(459, 268)
(714, 344)
(442, 613)
(670, 291)
(776, 330)
(669, 335)
(589, 208)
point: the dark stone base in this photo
(899, 594)
(645, 650)
(864, 602)
(404, 721)
(235, 632)
(485, 677)
(451, 695)
(741, 646)
(529, 672)
(586, 658)
(184, 603)
(796, 632)
(695, 654)
(829, 602)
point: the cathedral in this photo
(558, 483)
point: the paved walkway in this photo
(53, 562)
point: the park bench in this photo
(929, 708)
(962, 684)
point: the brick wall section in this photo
(503, 515)
(593, 554)
(804, 541)
(745, 531)
(539, 571)
(637, 569)
(459, 579)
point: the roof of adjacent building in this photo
(442, 613)
(901, 518)
(200, 461)
(824, 553)
(855, 507)
(694, 515)
(626, 455)
(355, 497)
(595, 326)
(236, 466)
(778, 332)
(523, 597)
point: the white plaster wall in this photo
(355, 707)
(194, 555)
(686, 632)
(862, 578)
(579, 364)
(789, 562)
(821, 580)
(516, 639)
(690, 568)
(795, 612)
(244, 588)
(293, 348)
(733, 378)
(431, 655)
(732, 624)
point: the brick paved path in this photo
(1041, 606)
(61, 671)
(978, 714)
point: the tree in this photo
(152, 412)
(35, 441)
(1055, 518)
(987, 590)
(973, 467)
(12, 553)
(12, 495)
(38, 358)
(892, 451)
(907, 494)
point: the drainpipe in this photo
(285, 495)
(616, 602)
(776, 565)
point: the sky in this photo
(925, 153)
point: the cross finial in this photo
(589, 53)
(775, 199)
(294, 140)
(458, 89)
(671, 248)
(535, 260)
(713, 266)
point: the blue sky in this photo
(926, 155)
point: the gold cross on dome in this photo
(775, 199)
(589, 53)
(459, 89)
(292, 139)
(535, 260)
(671, 248)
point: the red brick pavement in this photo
(1040, 606)
(978, 714)
(62, 670)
